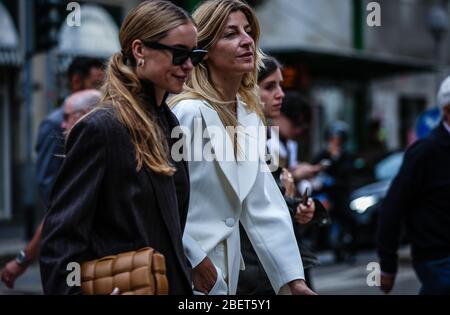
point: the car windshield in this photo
(389, 167)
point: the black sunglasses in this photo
(180, 55)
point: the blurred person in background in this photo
(292, 121)
(253, 280)
(75, 106)
(375, 151)
(83, 73)
(334, 181)
(419, 199)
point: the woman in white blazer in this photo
(230, 180)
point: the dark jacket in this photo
(337, 187)
(101, 205)
(419, 197)
(253, 280)
(49, 152)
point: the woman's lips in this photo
(248, 54)
(180, 77)
(277, 105)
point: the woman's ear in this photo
(137, 49)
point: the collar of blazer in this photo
(240, 174)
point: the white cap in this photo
(443, 96)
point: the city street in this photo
(178, 124)
(11, 242)
(350, 279)
(29, 283)
(328, 279)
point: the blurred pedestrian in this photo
(419, 199)
(292, 122)
(253, 280)
(376, 148)
(74, 107)
(223, 93)
(119, 189)
(334, 182)
(83, 73)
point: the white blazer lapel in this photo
(223, 148)
(248, 140)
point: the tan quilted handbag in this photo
(141, 272)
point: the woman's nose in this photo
(187, 65)
(247, 40)
(280, 92)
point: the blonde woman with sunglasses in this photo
(119, 189)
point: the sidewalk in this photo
(11, 242)
(404, 256)
(350, 278)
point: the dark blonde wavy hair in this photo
(211, 18)
(149, 21)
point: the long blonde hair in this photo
(211, 18)
(149, 21)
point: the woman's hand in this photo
(299, 287)
(306, 171)
(204, 276)
(387, 282)
(304, 213)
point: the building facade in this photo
(349, 70)
(352, 71)
(96, 36)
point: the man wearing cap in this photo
(419, 198)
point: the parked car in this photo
(366, 200)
